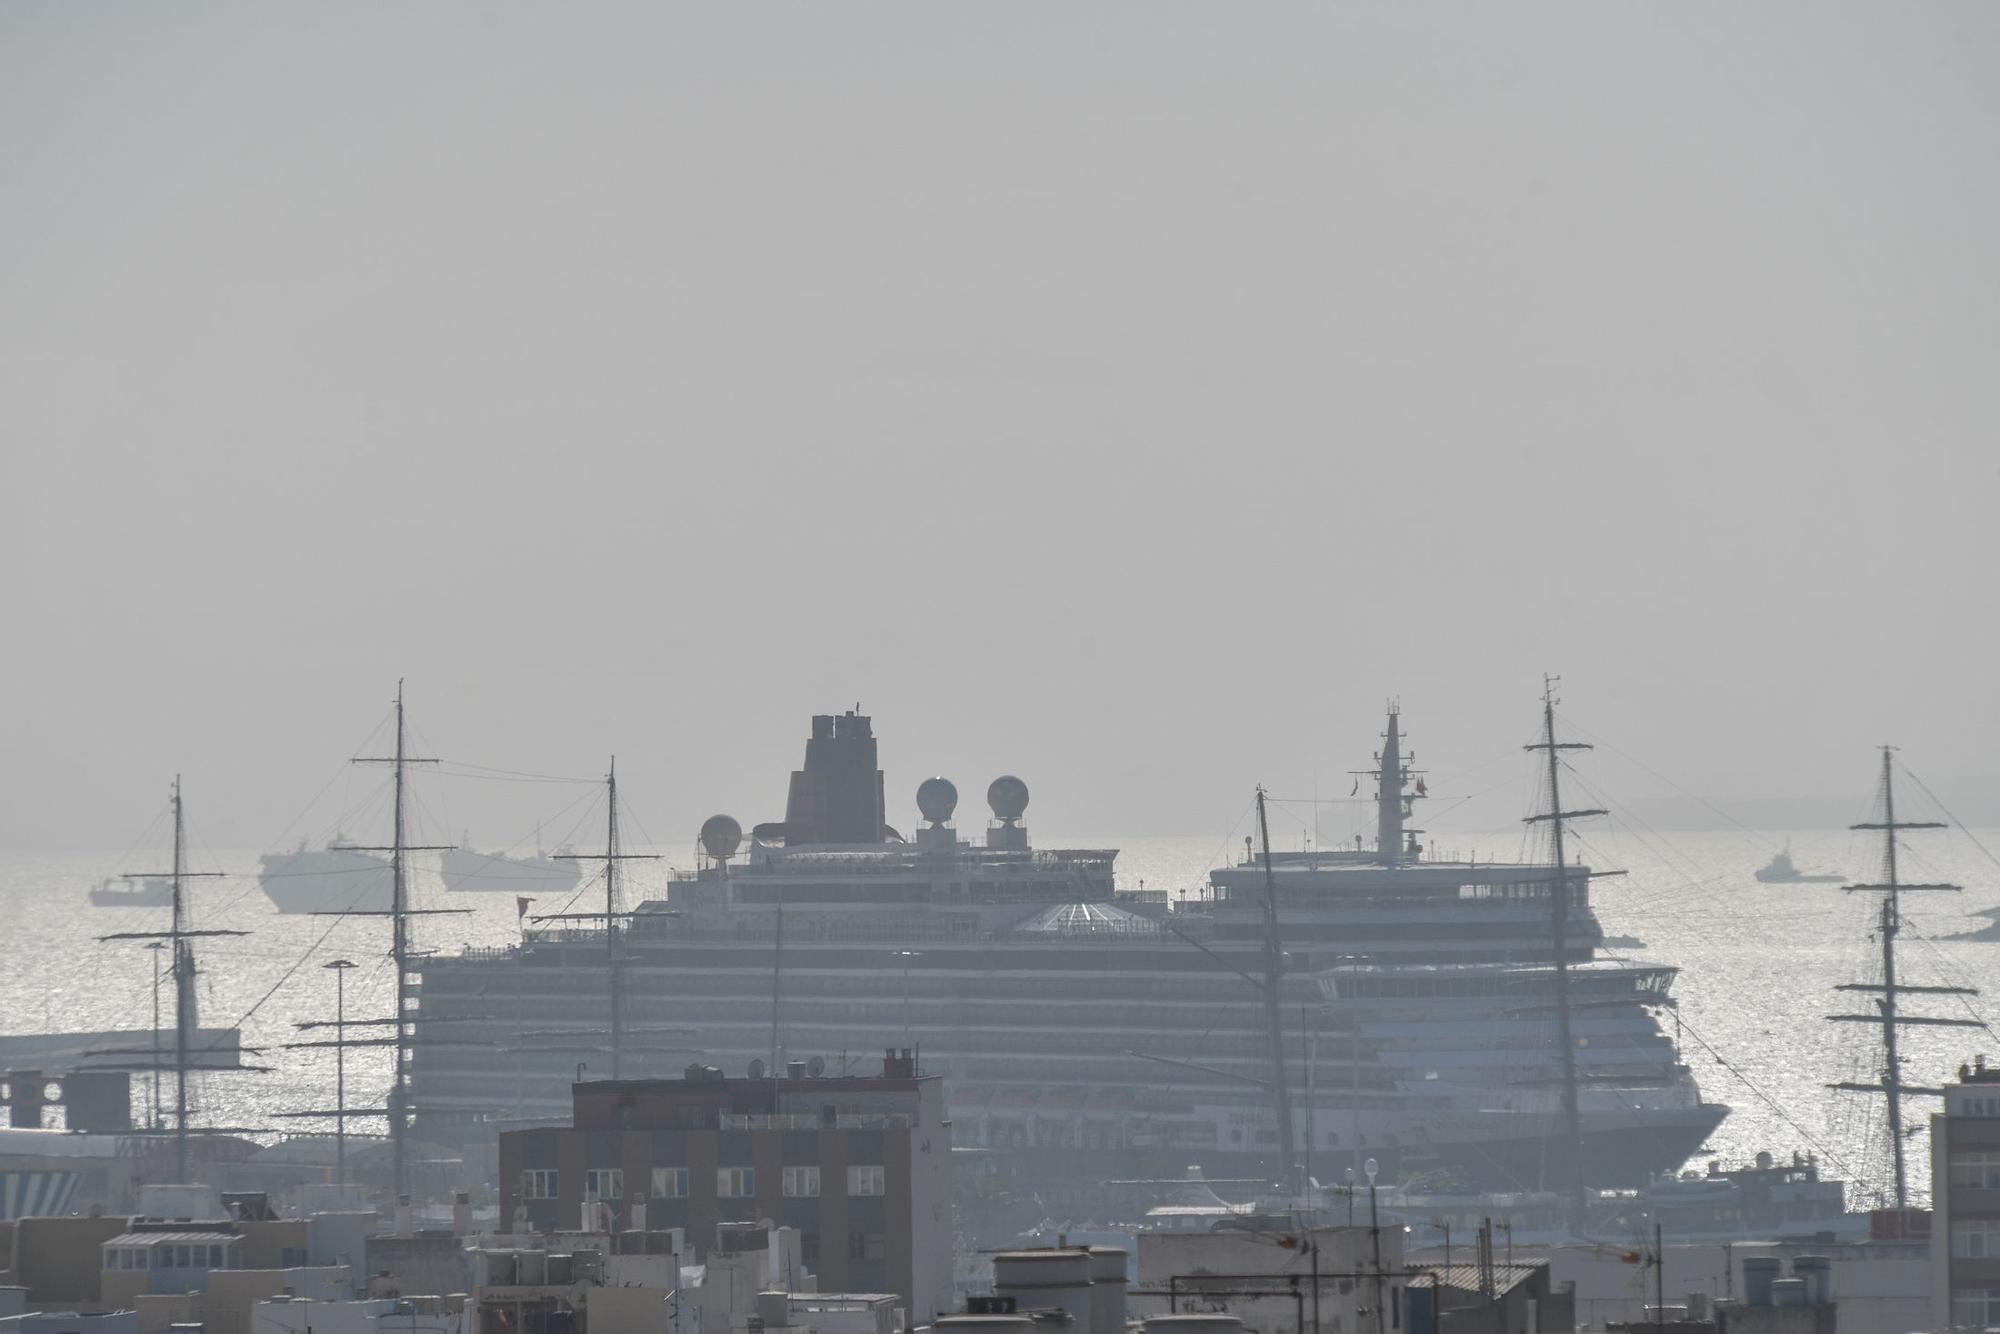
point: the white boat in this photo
(336, 878)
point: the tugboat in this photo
(1780, 870)
(152, 891)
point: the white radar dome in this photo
(1008, 797)
(937, 798)
(721, 836)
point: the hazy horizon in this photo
(1132, 399)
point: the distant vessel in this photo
(151, 891)
(1781, 870)
(466, 871)
(338, 877)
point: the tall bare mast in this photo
(178, 937)
(614, 962)
(397, 1103)
(1890, 990)
(1559, 898)
(1274, 969)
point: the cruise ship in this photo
(339, 877)
(1087, 1034)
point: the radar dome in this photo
(721, 836)
(937, 799)
(1008, 796)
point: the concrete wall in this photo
(59, 1260)
(626, 1310)
(229, 1306)
(928, 1224)
(265, 1245)
(429, 1264)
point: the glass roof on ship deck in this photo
(1087, 919)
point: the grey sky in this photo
(1129, 396)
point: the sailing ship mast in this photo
(614, 963)
(179, 938)
(396, 1106)
(1274, 966)
(1887, 1012)
(1559, 894)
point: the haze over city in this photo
(1131, 398)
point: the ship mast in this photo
(178, 938)
(1392, 804)
(397, 1104)
(614, 963)
(1274, 964)
(1559, 895)
(1891, 990)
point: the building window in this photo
(866, 1246)
(735, 1183)
(670, 1183)
(604, 1183)
(1975, 1308)
(538, 1183)
(1976, 1170)
(801, 1182)
(1975, 1239)
(867, 1181)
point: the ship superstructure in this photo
(1086, 1034)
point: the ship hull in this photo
(467, 872)
(330, 880)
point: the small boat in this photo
(151, 891)
(1781, 870)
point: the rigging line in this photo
(345, 770)
(1772, 1102)
(288, 974)
(1696, 797)
(520, 775)
(146, 836)
(1950, 974)
(1947, 813)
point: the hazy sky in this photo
(1127, 396)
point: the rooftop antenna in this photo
(614, 964)
(1891, 1085)
(178, 938)
(1559, 896)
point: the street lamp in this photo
(339, 967)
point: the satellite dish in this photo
(816, 1067)
(756, 1069)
